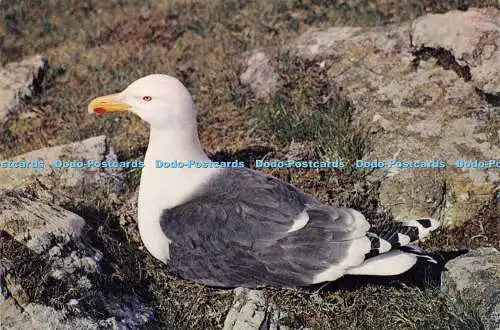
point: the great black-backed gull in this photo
(237, 227)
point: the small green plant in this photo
(309, 107)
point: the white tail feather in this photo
(391, 263)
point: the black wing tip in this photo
(426, 223)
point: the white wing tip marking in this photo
(384, 245)
(355, 257)
(422, 231)
(403, 239)
(299, 222)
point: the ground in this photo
(99, 47)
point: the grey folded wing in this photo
(238, 230)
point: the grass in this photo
(403, 308)
(98, 47)
(308, 107)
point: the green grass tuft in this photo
(309, 107)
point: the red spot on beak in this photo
(99, 110)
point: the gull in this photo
(238, 227)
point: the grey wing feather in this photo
(235, 232)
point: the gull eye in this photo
(146, 98)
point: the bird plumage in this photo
(240, 227)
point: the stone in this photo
(260, 75)
(251, 312)
(36, 316)
(48, 229)
(18, 80)
(412, 89)
(39, 233)
(40, 317)
(472, 37)
(60, 182)
(474, 279)
(248, 311)
(424, 194)
(43, 234)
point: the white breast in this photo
(163, 188)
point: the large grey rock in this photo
(52, 240)
(472, 37)
(47, 228)
(17, 80)
(474, 278)
(66, 183)
(410, 85)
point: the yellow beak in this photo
(108, 103)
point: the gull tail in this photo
(391, 252)
(398, 234)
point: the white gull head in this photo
(166, 104)
(162, 101)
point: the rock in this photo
(323, 42)
(474, 278)
(40, 317)
(250, 312)
(44, 245)
(424, 194)
(260, 75)
(128, 211)
(36, 224)
(419, 103)
(18, 80)
(53, 234)
(473, 42)
(76, 182)
(36, 316)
